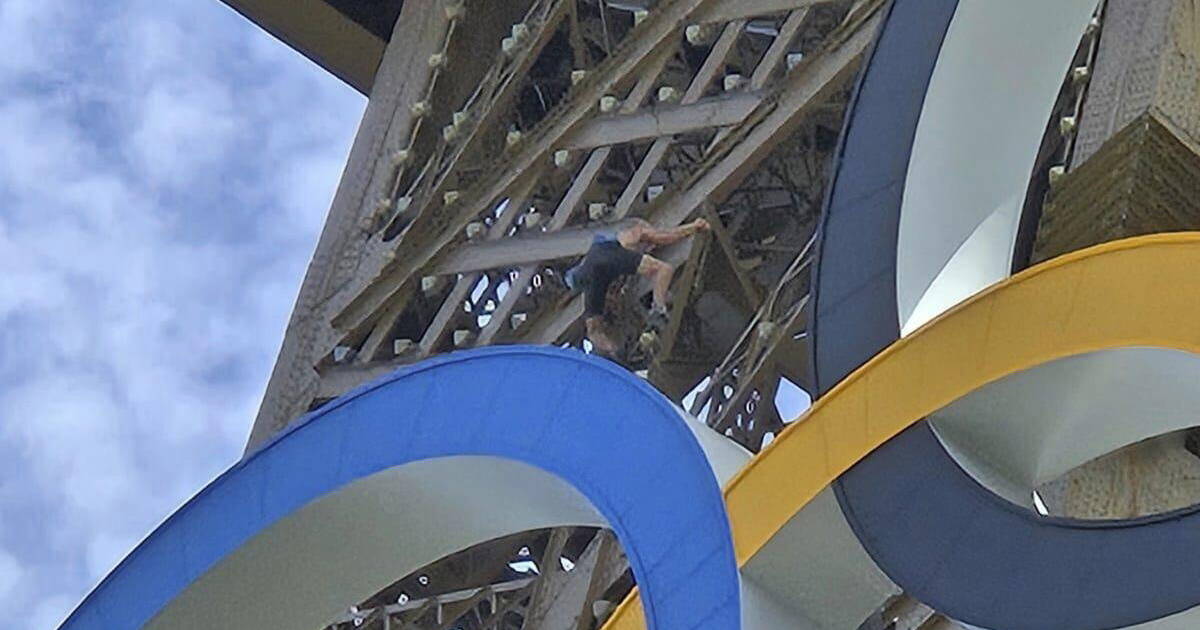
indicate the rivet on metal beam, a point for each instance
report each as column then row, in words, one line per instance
column 577, row 76
column 508, row 46
column 562, row 157
column 449, row 132
column 437, row 60
column 640, row 16
column 403, row 203
column 597, row 211
column 770, row 28
column 794, row 59
column 1093, row 26
column 653, row 191
column 520, row 31
column 459, row 118
column 475, row 230
column 700, row 34
column 420, row 108
column 429, row 284
column 532, row 220
column 401, row 157
column 463, row 337
column 668, row 94
column 402, row 346
column 455, row 9
column 1057, row 173
column 1080, row 74
column 608, row 104
column 601, row 609
column 1067, row 125
column 450, row 196
column 732, row 82
column 513, row 137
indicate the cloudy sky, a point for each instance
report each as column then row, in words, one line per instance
column 165, row 168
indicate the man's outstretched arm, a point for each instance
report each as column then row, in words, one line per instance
column 641, row 232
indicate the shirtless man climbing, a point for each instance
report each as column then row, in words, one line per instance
column 619, row 253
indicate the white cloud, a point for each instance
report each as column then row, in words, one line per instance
column 49, row 611
column 10, row 574
column 164, row 171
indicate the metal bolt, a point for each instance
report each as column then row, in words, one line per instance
column 699, row 34
column 463, row 338
column 1067, row 125
column 1057, row 173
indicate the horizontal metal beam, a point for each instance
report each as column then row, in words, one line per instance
column 664, row 120
column 726, row 10
column 517, row 251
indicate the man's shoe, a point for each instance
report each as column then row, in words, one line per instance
column 658, row 318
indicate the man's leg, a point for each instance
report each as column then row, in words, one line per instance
column 600, row 340
column 593, row 313
column 660, row 273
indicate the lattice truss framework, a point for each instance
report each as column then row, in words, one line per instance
column 532, row 126
column 733, row 117
column 590, row 112
column 536, row 125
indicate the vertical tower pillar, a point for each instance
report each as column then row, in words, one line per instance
column 1135, row 169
